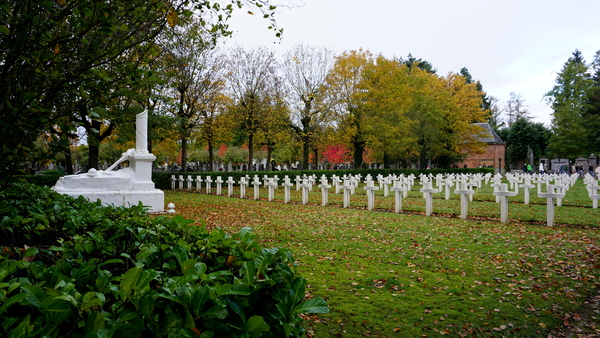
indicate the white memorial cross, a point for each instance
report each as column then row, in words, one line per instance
column 446, row 185
column 560, row 188
column 189, row 182
column 464, row 200
column 305, row 185
column 256, row 184
column 386, row 182
column 370, row 188
column 398, row 188
column 428, row 192
column 208, row 181
column 353, row 184
column 173, row 180
column 271, row 184
column 198, row 184
column 298, row 182
column 550, row 195
column 347, row 187
column 180, row 182
column 219, row 182
column 230, row 183
column 312, row 179
column 336, row 183
column 243, row 185
column 496, row 183
column 286, row 189
column 526, row 186
column 504, row 194
column 324, row 190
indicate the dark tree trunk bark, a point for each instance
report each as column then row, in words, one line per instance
column 210, row 156
column 184, row 154
column 250, row 151
column 68, row 161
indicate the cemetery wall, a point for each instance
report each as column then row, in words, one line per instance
column 489, row 158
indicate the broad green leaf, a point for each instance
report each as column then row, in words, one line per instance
column 130, row 278
column 146, row 251
column 30, row 252
column 146, row 305
column 215, row 312
column 181, row 254
column 35, row 295
column 200, row 296
column 170, row 321
column 94, row 322
column 130, row 329
column 297, row 290
column 58, row 311
column 313, row 305
column 22, row 330
column 257, row 324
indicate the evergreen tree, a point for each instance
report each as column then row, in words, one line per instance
column 569, row 99
column 591, row 113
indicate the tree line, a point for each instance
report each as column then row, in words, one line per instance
column 201, row 97
column 92, row 66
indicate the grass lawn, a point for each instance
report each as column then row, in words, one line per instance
column 409, row 275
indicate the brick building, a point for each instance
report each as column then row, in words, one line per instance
column 494, row 155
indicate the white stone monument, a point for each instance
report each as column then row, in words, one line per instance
column 124, row 187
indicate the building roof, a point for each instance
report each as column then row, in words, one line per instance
column 489, row 136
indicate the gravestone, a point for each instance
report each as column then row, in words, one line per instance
column 230, row 182
column 504, row 193
column 324, row 190
column 286, row 189
column 428, row 192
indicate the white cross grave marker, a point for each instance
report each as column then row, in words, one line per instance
column 503, row 193
column 428, row 192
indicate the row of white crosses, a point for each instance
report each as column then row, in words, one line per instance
column 465, row 186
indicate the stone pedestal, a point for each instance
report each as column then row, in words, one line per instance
column 125, row 187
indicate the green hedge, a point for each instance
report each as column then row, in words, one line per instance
column 163, row 180
column 46, row 179
column 71, row 268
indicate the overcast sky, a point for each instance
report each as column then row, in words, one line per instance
column 508, row 45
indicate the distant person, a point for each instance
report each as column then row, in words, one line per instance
column 529, row 168
column 541, row 170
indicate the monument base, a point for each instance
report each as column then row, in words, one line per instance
column 117, row 188
column 154, row 199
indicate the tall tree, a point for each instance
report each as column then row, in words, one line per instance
column 568, row 99
column 515, row 108
column 50, row 48
column 387, row 96
column 196, row 79
column 591, row 113
column 523, row 135
column 252, row 74
column 411, row 61
column 344, row 80
column 486, row 102
column 305, row 69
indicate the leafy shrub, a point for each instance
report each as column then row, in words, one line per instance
column 73, row 268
